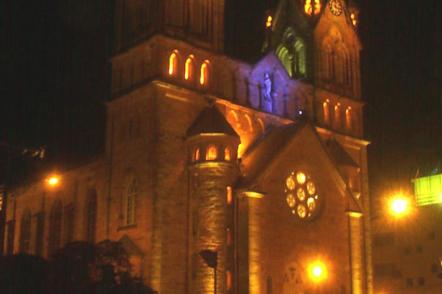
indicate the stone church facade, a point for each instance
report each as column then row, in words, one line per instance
column 262, row 162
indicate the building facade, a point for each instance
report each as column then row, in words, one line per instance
column 407, row 250
column 262, row 162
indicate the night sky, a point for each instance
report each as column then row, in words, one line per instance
column 55, row 80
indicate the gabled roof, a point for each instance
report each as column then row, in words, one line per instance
column 210, row 121
column 258, row 160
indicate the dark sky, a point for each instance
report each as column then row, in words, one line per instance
column 55, row 78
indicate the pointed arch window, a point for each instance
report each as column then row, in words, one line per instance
column 212, row 152
column 130, row 202
column 337, row 115
column 55, row 219
column 326, row 111
column 227, row 154
column 196, row 154
column 286, row 59
column 25, row 232
column 91, row 216
column 348, row 118
column 173, row 63
column 204, row 73
column 300, row 62
column 189, row 68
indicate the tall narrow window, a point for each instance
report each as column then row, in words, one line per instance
column 10, row 230
column 39, row 233
column 131, row 200
column 69, row 223
column 173, row 63
column 25, row 232
column 196, row 154
column 91, row 217
column 55, row 219
column 227, row 154
column 211, row 152
column 188, row 68
column 326, row 112
column 286, row 59
column 204, row 73
column 229, row 195
column 337, row 115
column 348, row 118
column 300, row 62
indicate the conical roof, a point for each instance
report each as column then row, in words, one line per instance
column 211, row 121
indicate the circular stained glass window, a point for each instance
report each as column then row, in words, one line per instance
column 302, row 195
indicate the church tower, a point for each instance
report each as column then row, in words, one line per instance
column 213, row 168
column 199, row 22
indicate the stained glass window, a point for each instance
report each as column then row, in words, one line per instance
column 301, row 195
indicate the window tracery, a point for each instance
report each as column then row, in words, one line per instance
column 292, row 54
column 301, row 195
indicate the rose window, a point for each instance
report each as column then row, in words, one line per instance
column 301, row 195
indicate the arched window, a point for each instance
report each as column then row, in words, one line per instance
column 286, row 59
column 25, row 232
column 196, row 154
column 204, row 73
column 299, row 62
column 312, row 7
column 55, row 219
column 227, row 154
column 173, row 63
column 189, row 68
column 91, row 216
column 326, row 111
column 130, row 202
column 211, row 152
column 337, row 115
column 348, row 118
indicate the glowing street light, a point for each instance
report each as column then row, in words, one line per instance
column 53, row 180
column 399, row 205
column 317, row 271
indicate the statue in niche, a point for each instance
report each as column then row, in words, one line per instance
column 267, row 93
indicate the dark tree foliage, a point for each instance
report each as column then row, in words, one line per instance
column 23, row 273
column 77, row 268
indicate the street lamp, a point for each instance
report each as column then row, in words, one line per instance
column 53, row 180
column 399, row 205
column 317, row 271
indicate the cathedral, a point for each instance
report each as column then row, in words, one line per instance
column 234, row 161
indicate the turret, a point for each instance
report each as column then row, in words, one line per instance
column 212, row 147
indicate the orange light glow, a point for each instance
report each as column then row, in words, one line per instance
column 53, row 180
column 173, row 62
column 312, row 7
column 354, row 21
column 348, row 120
column 188, row 68
column 229, row 280
column 338, row 114
column 229, row 195
column 196, row 155
column 317, row 6
column 227, row 154
column 399, row 205
column 317, row 271
column 326, row 111
column 211, row 153
column 204, row 73
column 269, row 21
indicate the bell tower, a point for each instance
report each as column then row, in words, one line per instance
column 199, row 22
